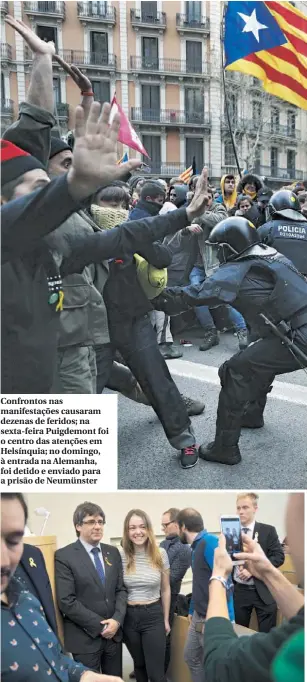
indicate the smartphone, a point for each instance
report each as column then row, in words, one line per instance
column 231, row 528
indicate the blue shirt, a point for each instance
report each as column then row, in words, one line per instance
column 202, row 564
column 31, row 651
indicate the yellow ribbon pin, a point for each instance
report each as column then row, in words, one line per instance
column 32, row 563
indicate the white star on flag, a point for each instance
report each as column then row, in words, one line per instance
column 252, row 25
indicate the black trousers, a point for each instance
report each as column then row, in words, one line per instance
column 107, row 660
column 245, row 382
column 168, row 639
column 141, row 352
column 246, row 599
column 111, row 374
column 145, row 638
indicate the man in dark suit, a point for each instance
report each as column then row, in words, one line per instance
column 250, row 592
column 91, row 595
column 32, row 575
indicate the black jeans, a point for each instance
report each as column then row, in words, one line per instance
column 246, row 599
column 145, row 639
column 107, row 660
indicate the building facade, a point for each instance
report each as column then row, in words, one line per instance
column 164, row 61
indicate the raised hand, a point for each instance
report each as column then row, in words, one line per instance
column 36, row 44
column 200, row 199
column 81, row 80
column 94, row 162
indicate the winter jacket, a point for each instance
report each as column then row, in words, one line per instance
column 179, row 556
column 181, row 195
column 207, row 222
column 83, row 321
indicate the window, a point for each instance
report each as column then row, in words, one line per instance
column 57, row 90
column 149, row 11
column 229, row 156
column 101, row 90
column 291, row 162
column 291, row 122
column 152, row 144
column 151, row 102
column 274, row 120
column 194, row 147
column 2, row 87
column 193, row 12
column 48, row 33
column 98, row 9
column 193, row 56
column 274, row 160
column 99, row 47
column 232, row 103
column 194, row 105
column 257, row 113
column 150, row 53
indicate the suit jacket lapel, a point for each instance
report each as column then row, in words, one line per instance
column 86, row 560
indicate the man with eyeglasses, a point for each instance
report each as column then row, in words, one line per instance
column 91, row 595
column 179, row 556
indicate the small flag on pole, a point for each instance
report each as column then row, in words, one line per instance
column 123, row 159
column 127, row 134
column 186, row 175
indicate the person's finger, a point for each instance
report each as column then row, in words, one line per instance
column 103, row 122
column 246, row 556
column 77, row 72
column 64, row 65
column 127, row 167
column 92, row 124
column 248, row 542
column 114, row 128
column 79, row 122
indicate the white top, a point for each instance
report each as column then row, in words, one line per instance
column 89, row 548
column 144, row 584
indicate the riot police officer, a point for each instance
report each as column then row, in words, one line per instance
column 256, row 280
column 286, row 230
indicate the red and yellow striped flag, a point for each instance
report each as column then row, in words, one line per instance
column 283, row 69
column 186, row 175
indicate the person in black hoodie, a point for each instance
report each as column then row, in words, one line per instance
column 151, row 201
column 178, row 195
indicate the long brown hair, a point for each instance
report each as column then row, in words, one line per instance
column 151, row 547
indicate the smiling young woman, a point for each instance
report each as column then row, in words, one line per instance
column 146, row 577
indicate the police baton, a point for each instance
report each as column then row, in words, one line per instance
column 285, row 339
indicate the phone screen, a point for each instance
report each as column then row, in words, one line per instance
column 231, row 528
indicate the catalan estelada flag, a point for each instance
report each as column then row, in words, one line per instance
column 268, row 40
column 186, row 175
column 123, row 159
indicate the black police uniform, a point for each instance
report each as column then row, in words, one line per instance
column 288, row 237
column 261, row 280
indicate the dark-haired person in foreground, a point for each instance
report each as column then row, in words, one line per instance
column 277, row 656
column 91, row 594
column 30, row 649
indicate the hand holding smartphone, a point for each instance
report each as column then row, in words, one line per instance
column 231, row 529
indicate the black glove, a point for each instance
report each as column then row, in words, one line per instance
column 171, row 301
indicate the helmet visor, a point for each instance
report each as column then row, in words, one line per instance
column 211, row 257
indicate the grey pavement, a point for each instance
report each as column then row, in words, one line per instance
column 272, row 457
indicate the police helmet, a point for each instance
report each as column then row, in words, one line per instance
column 232, row 237
column 284, row 203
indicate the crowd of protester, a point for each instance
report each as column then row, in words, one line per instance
column 88, row 244
column 131, row 594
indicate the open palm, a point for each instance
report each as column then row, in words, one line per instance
column 94, row 157
column 35, row 43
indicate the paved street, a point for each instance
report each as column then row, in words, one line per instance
column 273, row 457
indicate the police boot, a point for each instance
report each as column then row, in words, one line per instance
column 223, row 449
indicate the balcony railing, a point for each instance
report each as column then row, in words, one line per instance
column 200, row 24
column 101, row 60
column 168, row 116
column 172, row 66
column 55, row 8
column 281, row 173
column 4, row 7
column 284, row 131
column 62, row 109
column 140, row 17
column 7, row 107
column 97, row 11
column 169, row 169
column 6, row 52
